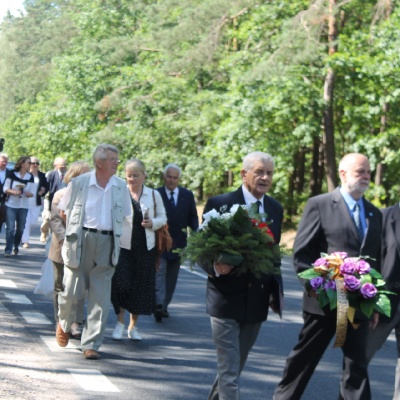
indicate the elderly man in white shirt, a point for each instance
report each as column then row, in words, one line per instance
column 94, row 205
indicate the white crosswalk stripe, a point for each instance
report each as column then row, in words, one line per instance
column 51, row 343
column 18, row 298
column 35, row 318
column 92, row 380
column 8, row 283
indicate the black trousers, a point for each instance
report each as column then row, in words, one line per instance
column 315, row 336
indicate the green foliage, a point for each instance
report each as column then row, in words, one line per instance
column 235, row 239
column 202, row 83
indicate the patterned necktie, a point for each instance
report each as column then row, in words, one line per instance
column 357, row 221
column 171, row 199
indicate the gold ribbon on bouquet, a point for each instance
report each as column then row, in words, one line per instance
column 344, row 313
column 342, row 309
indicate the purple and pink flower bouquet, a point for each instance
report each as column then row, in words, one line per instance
column 363, row 285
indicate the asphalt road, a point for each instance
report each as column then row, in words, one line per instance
column 174, row 361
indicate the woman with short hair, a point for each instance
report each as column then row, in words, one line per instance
column 134, row 281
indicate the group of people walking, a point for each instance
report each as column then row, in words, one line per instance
column 239, row 304
column 103, row 249
column 108, row 247
column 22, row 189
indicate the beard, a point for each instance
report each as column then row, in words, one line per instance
column 358, row 187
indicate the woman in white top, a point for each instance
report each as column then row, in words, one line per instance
column 35, row 203
column 18, row 187
column 134, row 282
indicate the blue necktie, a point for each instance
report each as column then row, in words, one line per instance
column 357, row 221
column 171, row 199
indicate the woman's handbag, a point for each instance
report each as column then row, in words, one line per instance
column 163, row 238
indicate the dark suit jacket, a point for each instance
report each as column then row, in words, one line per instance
column 55, row 183
column 180, row 217
column 244, row 298
column 390, row 267
column 2, row 194
column 326, row 227
column 42, row 183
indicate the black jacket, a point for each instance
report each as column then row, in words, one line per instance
column 244, row 298
column 180, row 217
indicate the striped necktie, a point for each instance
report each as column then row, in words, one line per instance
column 357, row 221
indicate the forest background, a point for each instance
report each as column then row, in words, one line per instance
column 203, row 82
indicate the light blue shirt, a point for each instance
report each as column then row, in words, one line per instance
column 351, row 204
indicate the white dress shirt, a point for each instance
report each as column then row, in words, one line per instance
column 98, row 204
column 175, row 193
column 250, row 199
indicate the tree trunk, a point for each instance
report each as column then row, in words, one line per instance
column 329, row 132
column 296, row 182
column 317, row 167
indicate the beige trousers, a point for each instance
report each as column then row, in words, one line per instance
column 94, row 276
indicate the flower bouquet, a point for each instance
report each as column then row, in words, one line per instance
column 238, row 238
column 348, row 284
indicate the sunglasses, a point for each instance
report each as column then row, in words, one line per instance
column 34, row 163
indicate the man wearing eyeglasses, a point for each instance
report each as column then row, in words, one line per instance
column 35, row 202
column 94, row 206
column 55, row 178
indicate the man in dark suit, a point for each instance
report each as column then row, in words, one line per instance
column 4, row 173
column 329, row 225
column 390, row 269
column 55, row 179
column 238, row 304
column 182, row 214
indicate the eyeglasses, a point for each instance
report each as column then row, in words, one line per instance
column 34, row 163
column 112, row 159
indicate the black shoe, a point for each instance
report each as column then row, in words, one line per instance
column 158, row 314
column 165, row 313
column 15, row 251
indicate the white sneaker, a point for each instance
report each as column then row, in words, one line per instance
column 25, row 245
column 134, row 334
column 118, row 331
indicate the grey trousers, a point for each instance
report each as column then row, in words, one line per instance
column 94, row 276
column 233, row 341
column 166, row 278
column 377, row 337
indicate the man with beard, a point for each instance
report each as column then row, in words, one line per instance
column 340, row 221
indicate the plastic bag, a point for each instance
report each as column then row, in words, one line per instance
column 45, row 285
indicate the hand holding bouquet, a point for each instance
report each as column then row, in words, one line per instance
column 348, row 284
column 236, row 238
